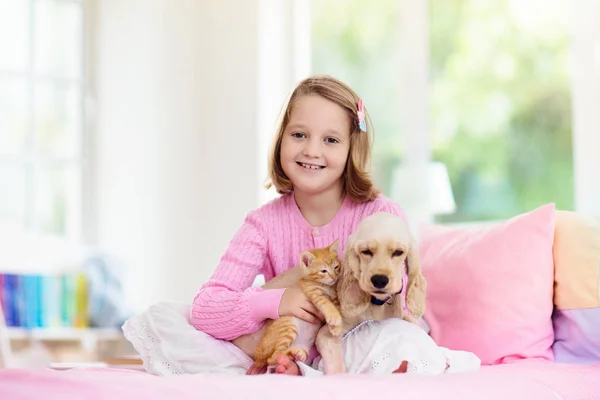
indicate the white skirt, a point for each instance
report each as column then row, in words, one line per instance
column 169, row 345
column 379, row 347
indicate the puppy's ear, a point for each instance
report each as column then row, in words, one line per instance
column 417, row 285
column 353, row 301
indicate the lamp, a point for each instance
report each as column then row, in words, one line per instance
column 423, row 191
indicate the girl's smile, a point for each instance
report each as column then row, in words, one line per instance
column 309, row 166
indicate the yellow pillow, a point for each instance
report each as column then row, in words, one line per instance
column 576, row 261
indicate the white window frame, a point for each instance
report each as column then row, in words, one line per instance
column 30, row 159
column 585, row 66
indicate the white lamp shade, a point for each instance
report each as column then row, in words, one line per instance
column 425, row 188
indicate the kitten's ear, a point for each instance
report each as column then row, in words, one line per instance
column 334, row 246
column 306, row 258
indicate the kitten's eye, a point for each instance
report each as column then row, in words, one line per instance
column 336, row 267
column 367, row 252
column 324, row 271
column 397, row 253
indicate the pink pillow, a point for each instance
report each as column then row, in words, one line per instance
column 490, row 288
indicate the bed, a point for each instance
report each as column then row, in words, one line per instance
column 527, row 380
column 531, row 313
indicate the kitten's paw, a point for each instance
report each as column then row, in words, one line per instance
column 336, row 330
column 334, row 324
column 297, row 354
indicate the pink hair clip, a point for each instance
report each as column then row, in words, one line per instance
column 362, row 124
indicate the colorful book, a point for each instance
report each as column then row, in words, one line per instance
column 33, row 301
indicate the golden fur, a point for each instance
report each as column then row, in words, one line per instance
column 320, row 268
column 381, row 245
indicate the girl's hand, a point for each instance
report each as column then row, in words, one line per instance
column 295, row 303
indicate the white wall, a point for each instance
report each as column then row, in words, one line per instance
column 413, row 32
column 284, row 58
column 176, row 138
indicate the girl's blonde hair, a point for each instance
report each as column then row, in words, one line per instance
column 356, row 182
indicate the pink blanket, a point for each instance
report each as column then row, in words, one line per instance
column 525, row 380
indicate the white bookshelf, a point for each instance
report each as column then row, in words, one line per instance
column 64, row 334
column 85, row 338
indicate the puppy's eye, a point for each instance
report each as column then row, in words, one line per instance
column 397, row 253
column 367, row 252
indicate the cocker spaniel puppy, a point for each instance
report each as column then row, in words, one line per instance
column 373, row 272
column 380, row 256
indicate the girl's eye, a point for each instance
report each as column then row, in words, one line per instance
column 332, row 140
column 298, row 135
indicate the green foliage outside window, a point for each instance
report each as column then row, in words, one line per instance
column 500, row 99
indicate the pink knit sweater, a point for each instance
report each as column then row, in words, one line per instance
column 269, row 242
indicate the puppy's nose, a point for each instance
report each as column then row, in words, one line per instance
column 380, row 281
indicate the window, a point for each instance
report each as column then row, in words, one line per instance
column 501, row 104
column 42, row 95
column 498, row 94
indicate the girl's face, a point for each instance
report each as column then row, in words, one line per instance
column 315, row 145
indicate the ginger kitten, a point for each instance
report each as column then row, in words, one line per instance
column 292, row 336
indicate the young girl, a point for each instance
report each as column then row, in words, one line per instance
column 319, row 166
